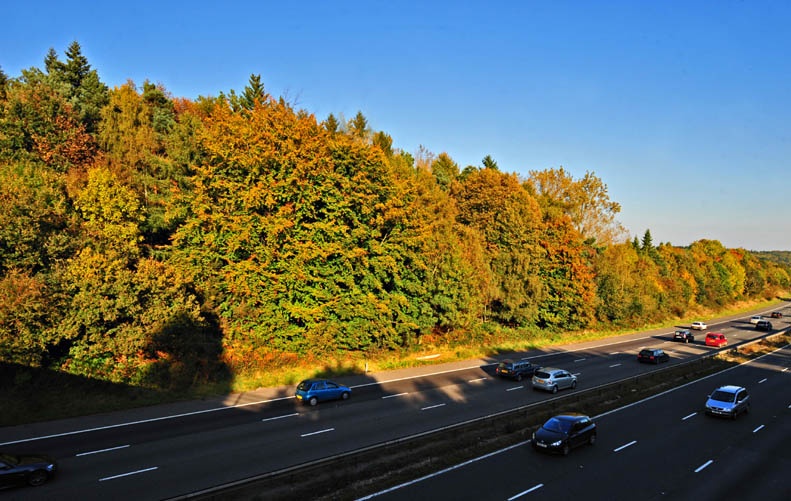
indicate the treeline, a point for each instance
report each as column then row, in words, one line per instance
column 156, row 240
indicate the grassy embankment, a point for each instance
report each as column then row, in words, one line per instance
column 29, row 395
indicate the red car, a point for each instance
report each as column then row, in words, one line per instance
column 716, row 339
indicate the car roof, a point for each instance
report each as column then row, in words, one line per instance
column 550, row 369
column 571, row 416
column 730, row 388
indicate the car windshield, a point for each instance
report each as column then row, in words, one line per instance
column 646, row 353
column 506, row 365
column 304, row 385
column 722, row 396
column 542, row 374
column 557, row 425
column 8, row 459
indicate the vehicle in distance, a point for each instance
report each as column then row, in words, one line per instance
column 313, row 391
column 26, row 469
column 764, row 325
column 553, row 379
column 515, row 369
column 755, row 319
column 652, row 355
column 684, row 335
column 728, row 401
column 564, row 432
column 716, row 339
column 776, row 314
column 699, row 326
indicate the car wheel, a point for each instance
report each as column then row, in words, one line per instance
column 592, row 439
column 573, row 385
column 565, row 449
column 313, row 401
column 345, row 395
column 555, row 389
column 37, row 478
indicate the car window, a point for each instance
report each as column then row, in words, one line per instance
column 722, row 396
column 331, row 386
column 557, row 425
column 542, row 374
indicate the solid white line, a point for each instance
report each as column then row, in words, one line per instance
column 758, row 429
column 579, row 360
column 432, row 407
column 442, row 472
column 280, row 417
column 476, row 380
column 704, row 465
column 619, row 449
column 127, row 474
column 317, row 432
column 616, row 365
column 526, row 492
column 396, row 395
column 689, row 416
column 763, row 380
column 103, row 450
column 515, row 388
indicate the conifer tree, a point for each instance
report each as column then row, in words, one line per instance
column 331, row 124
column 254, row 91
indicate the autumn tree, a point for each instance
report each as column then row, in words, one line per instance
column 445, row 171
column 586, row 202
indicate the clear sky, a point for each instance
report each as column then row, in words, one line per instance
column 683, row 108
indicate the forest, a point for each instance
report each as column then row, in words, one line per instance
column 163, row 242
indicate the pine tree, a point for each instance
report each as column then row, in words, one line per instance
column 489, row 163
column 254, row 91
column 359, row 125
column 331, row 124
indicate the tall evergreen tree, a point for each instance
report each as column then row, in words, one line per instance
column 359, row 125
column 254, row 91
column 3, row 83
column 331, row 124
column 648, row 242
column 489, row 163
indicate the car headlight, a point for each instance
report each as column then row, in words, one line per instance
column 557, row 443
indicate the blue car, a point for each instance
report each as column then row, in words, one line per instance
column 313, row 391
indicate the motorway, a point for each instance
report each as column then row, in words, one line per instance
column 173, row 450
column 661, row 448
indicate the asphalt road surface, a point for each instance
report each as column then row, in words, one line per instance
column 172, row 450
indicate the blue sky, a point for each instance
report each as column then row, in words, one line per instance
column 683, row 108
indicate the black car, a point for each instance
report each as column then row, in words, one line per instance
column 564, row 432
column 684, row 335
column 776, row 314
column 31, row 469
column 652, row 355
column 515, row 370
column 763, row 325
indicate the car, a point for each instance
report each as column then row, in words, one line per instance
column 716, row 339
column 728, row 401
column 653, row 355
column 755, row 319
column 764, row 325
column 564, row 432
column 313, row 391
column 684, row 336
column 553, row 379
column 26, row 469
column 515, row 369
column 776, row 314
column 699, row 326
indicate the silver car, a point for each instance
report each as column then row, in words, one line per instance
column 729, row 401
column 553, row 379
